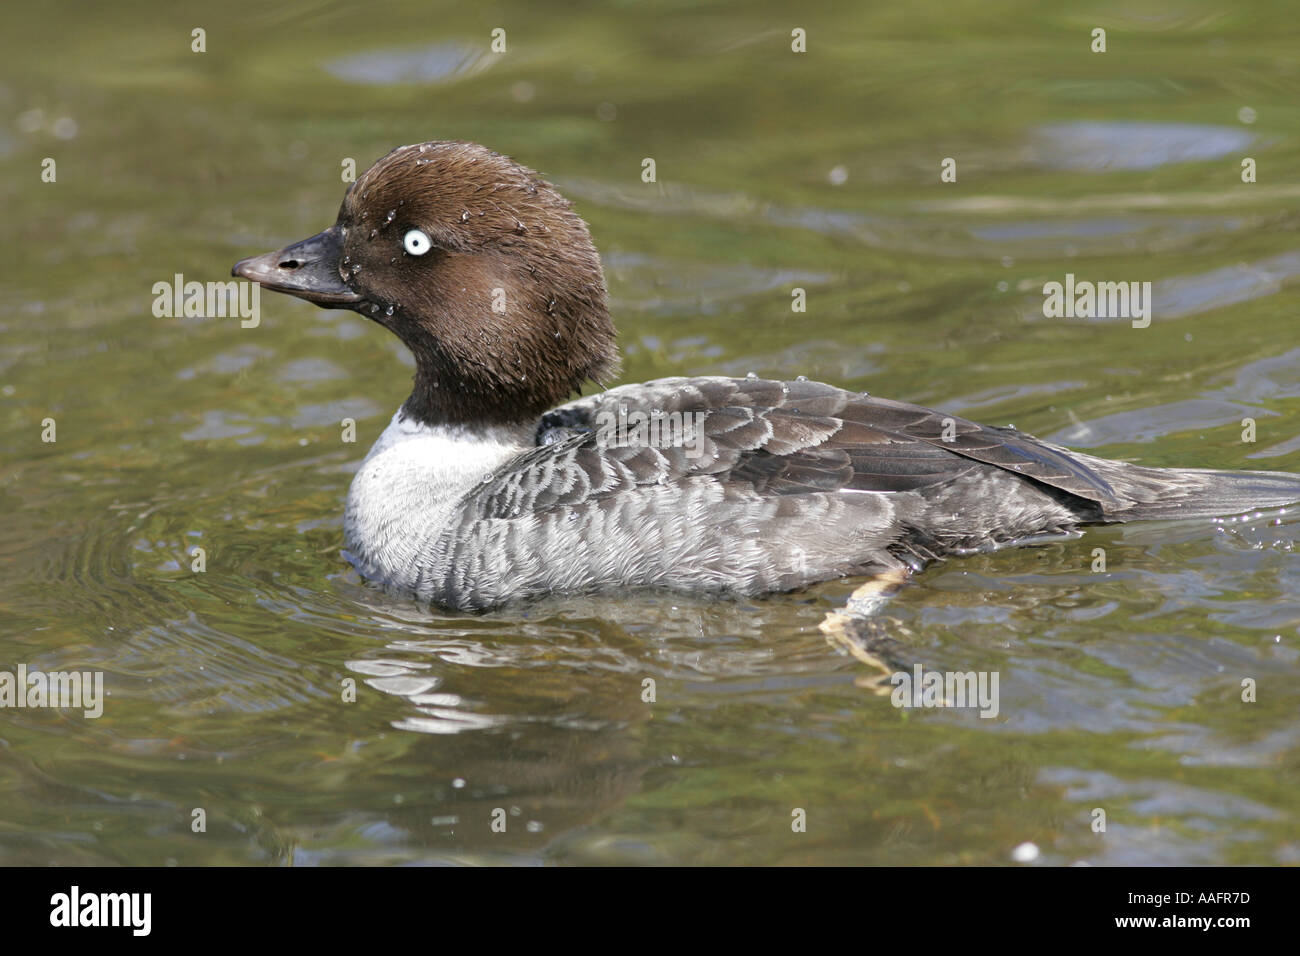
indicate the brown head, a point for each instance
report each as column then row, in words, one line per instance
column 478, row 265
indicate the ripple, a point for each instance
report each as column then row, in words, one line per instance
column 1204, row 292
column 1151, row 423
column 1102, row 146
column 437, row 63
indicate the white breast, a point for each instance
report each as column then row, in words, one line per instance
column 408, row 487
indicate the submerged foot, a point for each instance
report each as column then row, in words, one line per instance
column 859, row 630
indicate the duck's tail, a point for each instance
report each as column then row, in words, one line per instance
column 1154, row 493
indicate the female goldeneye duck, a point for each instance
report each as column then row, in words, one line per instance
column 481, row 491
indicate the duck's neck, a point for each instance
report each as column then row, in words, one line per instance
column 478, row 395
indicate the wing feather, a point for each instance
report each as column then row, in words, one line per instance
column 778, row 438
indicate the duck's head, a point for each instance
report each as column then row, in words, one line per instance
column 478, row 265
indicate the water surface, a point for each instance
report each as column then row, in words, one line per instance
column 1120, row 690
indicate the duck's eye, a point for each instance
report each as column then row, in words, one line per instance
column 416, row 243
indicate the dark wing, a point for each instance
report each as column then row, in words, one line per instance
column 776, row 438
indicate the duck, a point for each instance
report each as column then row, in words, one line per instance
column 493, row 483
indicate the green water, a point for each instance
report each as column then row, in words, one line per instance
column 1119, row 690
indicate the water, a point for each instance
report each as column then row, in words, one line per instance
column 1119, row 690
